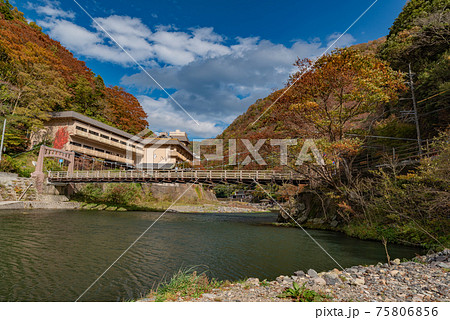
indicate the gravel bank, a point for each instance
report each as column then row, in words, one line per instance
column 427, row 278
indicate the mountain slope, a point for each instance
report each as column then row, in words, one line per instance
column 38, row 75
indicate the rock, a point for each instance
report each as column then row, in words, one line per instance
column 394, row 272
column 312, row 273
column 146, row 300
column 121, row 209
column 253, row 281
column 320, row 281
column 208, row 295
column 359, row 281
column 334, row 224
column 336, row 271
column 444, row 265
column 299, row 273
column 396, row 261
column 331, row 279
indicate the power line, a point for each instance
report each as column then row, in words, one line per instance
column 379, row 137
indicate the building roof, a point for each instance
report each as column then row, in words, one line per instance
column 83, row 118
column 164, row 141
column 98, row 124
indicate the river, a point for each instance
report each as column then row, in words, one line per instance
column 55, row 255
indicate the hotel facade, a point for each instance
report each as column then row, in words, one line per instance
column 72, row 131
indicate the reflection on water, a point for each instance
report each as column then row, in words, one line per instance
column 56, row 255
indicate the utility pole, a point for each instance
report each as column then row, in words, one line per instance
column 3, row 138
column 416, row 118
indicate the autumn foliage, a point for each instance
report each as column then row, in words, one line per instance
column 38, row 75
column 341, row 90
column 61, row 138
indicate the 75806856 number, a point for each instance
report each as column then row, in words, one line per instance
column 407, row 311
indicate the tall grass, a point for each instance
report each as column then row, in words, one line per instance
column 185, row 283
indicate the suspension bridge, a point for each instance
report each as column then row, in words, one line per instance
column 178, row 176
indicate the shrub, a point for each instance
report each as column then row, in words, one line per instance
column 122, row 193
column 301, row 294
column 186, row 283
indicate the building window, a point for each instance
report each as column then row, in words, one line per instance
column 108, row 152
column 115, row 140
column 93, row 132
column 100, row 150
column 81, row 129
column 75, row 144
column 104, row 136
column 88, row 147
column 123, row 142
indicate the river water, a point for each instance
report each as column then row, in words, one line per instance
column 56, row 255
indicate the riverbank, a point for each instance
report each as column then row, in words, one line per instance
column 425, row 278
column 160, row 206
column 17, row 205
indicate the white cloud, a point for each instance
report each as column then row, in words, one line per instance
column 163, row 117
column 344, row 40
column 214, row 79
column 51, row 9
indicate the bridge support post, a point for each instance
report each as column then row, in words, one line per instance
column 38, row 173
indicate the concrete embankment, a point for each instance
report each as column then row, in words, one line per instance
column 14, row 205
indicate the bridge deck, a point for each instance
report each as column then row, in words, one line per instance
column 184, row 176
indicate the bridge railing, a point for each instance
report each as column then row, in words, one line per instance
column 174, row 175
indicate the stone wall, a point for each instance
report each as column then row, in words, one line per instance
column 12, row 187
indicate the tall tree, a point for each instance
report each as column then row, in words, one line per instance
column 125, row 110
column 342, row 88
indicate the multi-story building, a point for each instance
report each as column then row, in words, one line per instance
column 85, row 136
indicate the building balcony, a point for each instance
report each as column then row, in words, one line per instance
column 98, row 154
column 106, row 142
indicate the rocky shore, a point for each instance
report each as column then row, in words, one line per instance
column 425, row 278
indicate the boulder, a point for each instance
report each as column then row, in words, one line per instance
column 299, row 273
column 253, row 281
column 332, row 279
column 444, row 265
column 312, row 273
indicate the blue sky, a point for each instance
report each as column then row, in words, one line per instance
column 216, row 58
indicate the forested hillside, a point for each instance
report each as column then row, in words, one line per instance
column 420, row 36
column 38, row 75
column 357, row 104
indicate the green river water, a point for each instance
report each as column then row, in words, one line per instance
column 55, row 255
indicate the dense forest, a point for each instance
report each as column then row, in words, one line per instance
column 420, row 36
column 357, row 104
column 38, row 75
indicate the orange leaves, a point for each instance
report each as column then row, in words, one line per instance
column 124, row 110
column 61, row 138
column 340, row 88
column 41, row 76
